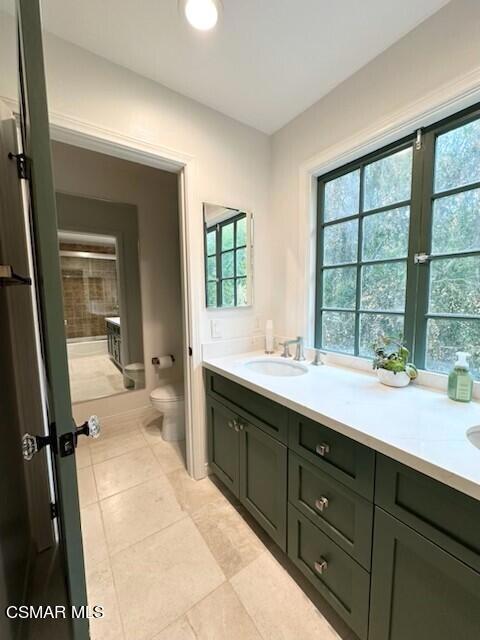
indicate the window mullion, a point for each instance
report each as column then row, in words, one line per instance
column 319, row 265
column 359, row 262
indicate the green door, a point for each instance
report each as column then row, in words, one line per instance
column 263, row 480
column 43, row 221
column 223, row 443
column 419, row 592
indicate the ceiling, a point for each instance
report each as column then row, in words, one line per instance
column 266, row 61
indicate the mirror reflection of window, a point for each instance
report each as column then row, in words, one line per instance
column 228, row 257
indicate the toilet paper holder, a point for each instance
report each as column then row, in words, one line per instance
column 156, row 359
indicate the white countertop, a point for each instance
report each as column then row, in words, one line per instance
column 419, row 427
column 113, row 320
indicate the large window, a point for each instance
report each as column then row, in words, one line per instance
column 399, row 247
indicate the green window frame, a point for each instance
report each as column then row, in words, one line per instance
column 226, row 262
column 440, row 272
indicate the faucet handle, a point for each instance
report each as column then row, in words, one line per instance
column 286, row 350
column 317, row 361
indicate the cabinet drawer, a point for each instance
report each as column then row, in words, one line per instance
column 335, row 575
column 442, row 514
column 339, row 512
column 419, row 591
column 346, row 460
column 260, row 411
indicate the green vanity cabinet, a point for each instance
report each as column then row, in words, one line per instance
column 419, row 591
column 263, row 481
column 395, row 552
column 224, row 444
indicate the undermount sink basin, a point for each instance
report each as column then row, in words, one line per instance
column 278, row 367
column 473, row 435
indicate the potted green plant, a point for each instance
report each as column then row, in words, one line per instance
column 391, row 362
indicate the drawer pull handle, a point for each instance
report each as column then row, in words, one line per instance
column 321, row 567
column 322, row 449
column 321, row 503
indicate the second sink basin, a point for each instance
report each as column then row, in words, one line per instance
column 473, row 435
column 280, row 367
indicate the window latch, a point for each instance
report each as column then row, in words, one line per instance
column 421, row 258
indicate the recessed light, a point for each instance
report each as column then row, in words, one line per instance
column 202, row 14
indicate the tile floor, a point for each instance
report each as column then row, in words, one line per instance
column 93, row 376
column 170, row 558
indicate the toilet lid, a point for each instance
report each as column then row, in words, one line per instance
column 168, row 392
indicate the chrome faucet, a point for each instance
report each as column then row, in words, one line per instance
column 299, row 354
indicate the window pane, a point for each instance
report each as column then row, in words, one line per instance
column 212, row 294
column 388, row 180
column 340, row 243
column 342, row 196
column 241, row 262
column 227, row 264
column 241, row 291
column 374, row 325
column 455, row 285
column 241, row 232
column 385, row 235
column 446, row 337
column 227, row 236
column 383, row 286
column 228, row 294
column 338, row 331
column 211, row 268
column 457, row 157
column 456, row 223
column 211, row 242
column 339, row 287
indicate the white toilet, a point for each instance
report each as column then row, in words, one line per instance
column 169, row 401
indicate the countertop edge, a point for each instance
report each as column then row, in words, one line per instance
column 449, row 478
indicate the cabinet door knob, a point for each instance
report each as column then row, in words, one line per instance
column 322, row 449
column 321, row 503
column 230, row 424
column 321, row 566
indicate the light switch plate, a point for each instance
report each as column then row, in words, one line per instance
column 216, row 328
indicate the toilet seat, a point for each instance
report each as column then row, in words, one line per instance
column 168, row 393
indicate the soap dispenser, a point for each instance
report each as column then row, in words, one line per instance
column 460, row 381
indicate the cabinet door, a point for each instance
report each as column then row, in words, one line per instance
column 263, row 480
column 223, row 444
column 419, row 592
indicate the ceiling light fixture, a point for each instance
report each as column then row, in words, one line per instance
column 202, row 14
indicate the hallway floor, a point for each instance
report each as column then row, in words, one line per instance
column 170, row 558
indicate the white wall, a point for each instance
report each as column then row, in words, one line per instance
column 439, row 51
column 154, row 192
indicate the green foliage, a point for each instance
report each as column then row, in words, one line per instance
column 392, row 355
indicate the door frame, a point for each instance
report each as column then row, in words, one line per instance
column 87, row 136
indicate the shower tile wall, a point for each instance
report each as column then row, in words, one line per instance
column 89, row 291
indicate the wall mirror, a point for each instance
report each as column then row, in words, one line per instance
column 98, row 245
column 228, row 235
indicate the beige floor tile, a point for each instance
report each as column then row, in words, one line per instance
column 178, row 630
column 277, row 605
column 152, row 429
column 101, row 591
column 134, row 514
column 83, row 457
column 171, row 455
column 111, row 447
column 230, row 539
column 93, row 536
column 123, row 472
column 221, row 615
column 193, row 494
column 87, row 491
column 163, row 576
column 118, row 425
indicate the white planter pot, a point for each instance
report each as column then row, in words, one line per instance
column 391, row 379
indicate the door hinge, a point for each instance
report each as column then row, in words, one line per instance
column 190, row 351
column 53, row 510
column 23, row 165
column 421, row 258
column 418, row 140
